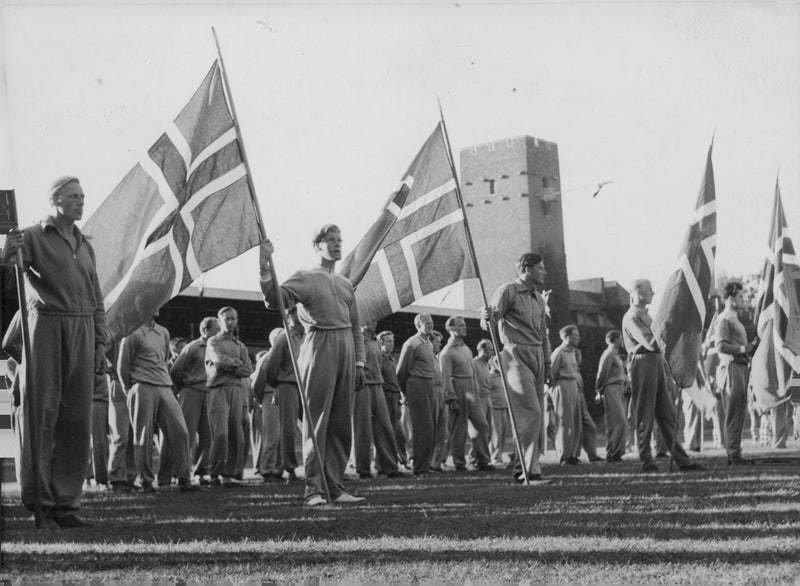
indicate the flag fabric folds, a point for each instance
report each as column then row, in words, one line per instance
column 418, row 245
column 185, row 207
column 681, row 315
column 775, row 365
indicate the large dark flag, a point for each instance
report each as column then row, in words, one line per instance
column 419, row 243
column 776, row 362
column 681, row 315
column 185, row 207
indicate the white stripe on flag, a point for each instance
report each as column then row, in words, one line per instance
column 765, row 320
column 392, row 207
column 177, row 261
column 141, row 254
column 703, row 211
column 694, row 286
column 181, row 145
column 388, row 280
column 212, row 149
column 408, row 241
column 777, row 292
column 156, row 173
column 707, row 246
column 430, row 197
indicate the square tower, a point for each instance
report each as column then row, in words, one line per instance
column 512, row 195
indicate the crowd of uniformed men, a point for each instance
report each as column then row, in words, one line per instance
column 212, row 409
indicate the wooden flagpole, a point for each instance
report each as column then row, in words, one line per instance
column 281, row 306
column 492, row 324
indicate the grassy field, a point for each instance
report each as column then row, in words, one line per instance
column 595, row 523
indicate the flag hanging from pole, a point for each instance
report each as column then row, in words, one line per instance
column 418, row 245
column 681, row 315
column 775, row 367
column 185, row 208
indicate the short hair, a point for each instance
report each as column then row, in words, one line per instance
column 529, row 259
column 567, row 330
column 638, row 283
column 613, row 336
column 384, row 334
column 273, row 335
column 225, row 310
column 732, row 289
column 59, row 184
column 322, row 231
column 451, row 321
column 174, row 342
column 485, row 343
column 418, row 318
column 205, row 325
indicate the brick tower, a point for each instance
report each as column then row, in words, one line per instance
column 512, row 194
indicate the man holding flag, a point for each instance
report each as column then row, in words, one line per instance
column 67, row 333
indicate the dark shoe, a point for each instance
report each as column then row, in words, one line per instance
column 461, row 468
column 203, row 481
column 650, row 467
column 272, row 478
column 614, row 460
column 147, row 487
column 485, row 467
column 532, row 478
column 187, row 486
column 662, row 455
column 121, row 486
column 691, row 467
column 396, row 474
column 365, row 475
column 49, row 523
column 70, row 522
column 436, row 469
column 230, row 482
column 574, row 461
column 595, row 458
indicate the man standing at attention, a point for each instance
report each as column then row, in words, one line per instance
column 227, row 365
column 520, row 312
column 415, row 374
column 649, row 392
column 145, row 379
column 67, row 332
column 189, row 376
column 565, row 376
column 611, row 385
column 331, row 359
column 391, row 392
column 733, row 370
column 458, row 376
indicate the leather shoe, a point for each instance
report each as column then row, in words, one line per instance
column 346, row 498
column 70, row 522
column 691, row 467
column 650, row 467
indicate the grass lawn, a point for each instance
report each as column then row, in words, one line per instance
column 595, row 523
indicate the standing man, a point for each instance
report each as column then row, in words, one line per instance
column 391, row 392
column 611, row 384
column 415, row 375
column 483, row 385
column 651, row 397
column 331, row 359
column 281, row 376
column 371, row 423
column 268, row 462
column 188, row 373
column 145, row 379
column 67, row 331
column 521, row 314
column 122, row 461
column 501, row 422
column 565, row 376
column 227, row 365
column 442, row 405
column 733, row 370
column 459, row 379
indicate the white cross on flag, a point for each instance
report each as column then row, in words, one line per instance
column 775, row 368
column 185, row 207
column 419, row 243
column 679, row 322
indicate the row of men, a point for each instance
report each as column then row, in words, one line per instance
column 68, row 339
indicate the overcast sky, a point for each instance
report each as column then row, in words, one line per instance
column 334, row 101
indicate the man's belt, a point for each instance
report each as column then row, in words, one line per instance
column 640, row 351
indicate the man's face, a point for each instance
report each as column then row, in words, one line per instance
column 459, row 328
column 212, row 328
column 229, row 321
column 487, row 350
column 424, row 324
column 387, row 344
column 330, row 248
column 534, row 274
column 737, row 301
column 368, row 330
column 574, row 338
column 69, row 201
column 645, row 292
